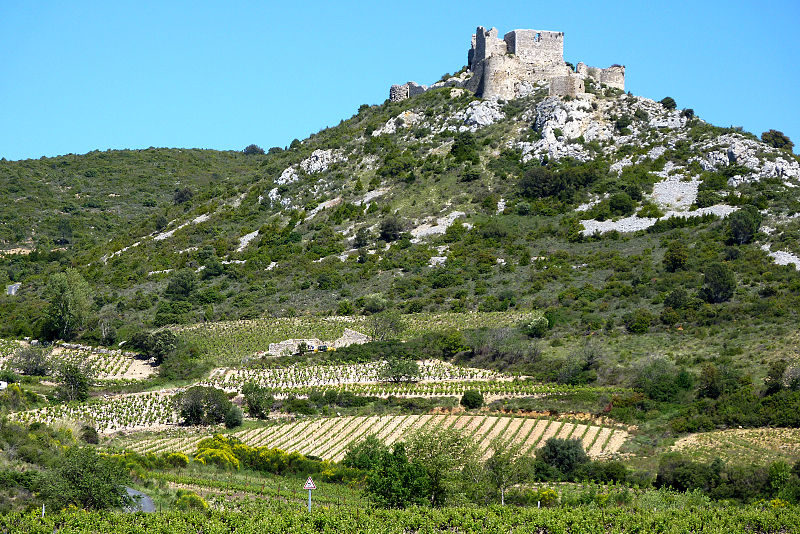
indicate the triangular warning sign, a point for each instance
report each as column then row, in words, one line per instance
column 309, row 484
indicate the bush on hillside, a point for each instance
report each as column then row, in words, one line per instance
column 472, row 399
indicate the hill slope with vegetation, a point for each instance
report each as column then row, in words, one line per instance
column 605, row 268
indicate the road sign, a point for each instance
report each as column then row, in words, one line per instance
column 309, row 486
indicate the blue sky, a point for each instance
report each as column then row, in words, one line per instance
column 79, row 76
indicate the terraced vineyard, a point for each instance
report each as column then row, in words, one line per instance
column 232, row 379
column 229, row 343
column 489, row 389
column 7, row 348
column 137, row 411
column 105, row 364
column 328, row 437
column 749, row 445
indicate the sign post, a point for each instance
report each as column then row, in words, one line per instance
column 309, row 486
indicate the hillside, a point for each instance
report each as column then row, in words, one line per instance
column 595, row 266
column 439, row 202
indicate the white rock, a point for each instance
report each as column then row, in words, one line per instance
column 288, row 176
column 320, row 160
column 635, row 223
column 675, row 193
column 781, row 257
column 245, row 240
column 439, row 226
column 480, row 113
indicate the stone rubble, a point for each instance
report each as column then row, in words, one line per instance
column 781, row 257
column 437, row 227
column 635, row 223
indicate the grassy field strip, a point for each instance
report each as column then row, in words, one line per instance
column 525, row 433
column 277, row 433
column 387, row 430
column 616, row 440
column 579, row 431
column 308, row 436
column 300, row 430
column 474, row 423
column 550, row 432
column 258, row 434
column 310, row 442
column 337, row 453
column 589, row 436
column 513, row 430
column 287, row 436
column 497, row 425
column 745, row 445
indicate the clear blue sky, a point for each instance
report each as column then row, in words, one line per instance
column 79, row 76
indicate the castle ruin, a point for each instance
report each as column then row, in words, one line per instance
column 507, row 68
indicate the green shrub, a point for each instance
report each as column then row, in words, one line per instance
column 621, row 204
column 537, row 327
column 719, row 283
column 472, row 399
column 777, row 139
column 638, row 322
column 564, row 455
column 676, row 256
column 668, row 102
column 707, row 198
column 190, row 501
column 176, row 459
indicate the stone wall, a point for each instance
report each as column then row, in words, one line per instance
column 291, row 346
column 613, row 76
column 407, row 90
column 566, row 86
column 537, row 47
column 501, row 68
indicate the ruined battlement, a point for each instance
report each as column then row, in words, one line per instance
column 506, row 68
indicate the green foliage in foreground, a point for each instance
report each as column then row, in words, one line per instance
column 286, row 518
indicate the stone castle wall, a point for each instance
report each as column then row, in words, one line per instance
column 536, row 47
column 500, row 68
column 566, row 86
column 613, row 76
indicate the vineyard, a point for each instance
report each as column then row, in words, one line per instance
column 103, row 364
column 337, row 375
column 7, row 348
column 230, row 343
column 138, row 411
column 754, row 445
column 276, row 517
column 489, row 388
column 329, row 437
